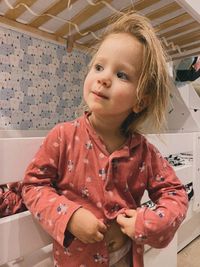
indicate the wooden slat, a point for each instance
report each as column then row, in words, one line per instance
column 171, row 47
column 189, row 40
column 95, row 27
column 15, row 13
column 90, row 43
column 173, row 53
column 103, row 23
column 142, row 4
column 55, row 9
column 181, row 29
column 184, row 37
column 192, row 46
column 163, row 11
column 179, row 56
column 171, row 22
column 81, row 17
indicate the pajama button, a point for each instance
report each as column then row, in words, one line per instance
column 141, row 238
column 109, row 187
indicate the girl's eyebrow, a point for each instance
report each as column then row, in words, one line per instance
column 100, row 58
column 128, row 66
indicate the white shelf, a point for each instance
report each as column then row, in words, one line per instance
column 179, row 116
column 172, row 143
column 183, row 136
column 190, row 212
column 160, row 257
column 185, row 173
column 189, row 230
column 21, row 234
column 190, row 96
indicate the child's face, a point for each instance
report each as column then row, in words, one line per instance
column 110, row 86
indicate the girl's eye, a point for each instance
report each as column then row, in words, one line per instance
column 122, row 75
column 98, row 67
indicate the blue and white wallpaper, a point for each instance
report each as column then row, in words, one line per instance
column 40, row 83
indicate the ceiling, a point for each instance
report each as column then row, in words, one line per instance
column 81, row 21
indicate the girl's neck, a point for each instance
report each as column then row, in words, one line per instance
column 109, row 131
column 106, row 126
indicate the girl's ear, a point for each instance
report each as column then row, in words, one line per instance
column 140, row 106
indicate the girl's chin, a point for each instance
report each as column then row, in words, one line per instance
column 96, row 107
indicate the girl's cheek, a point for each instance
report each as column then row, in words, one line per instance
column 85, row 88
column 88, row 83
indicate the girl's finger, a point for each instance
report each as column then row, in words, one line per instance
column 130, row 212
column 99, row 237
column 121, row 219
column 102, row 227
column 123, row 230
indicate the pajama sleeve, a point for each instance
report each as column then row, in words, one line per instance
column 156, row 227
column 51, row 209
column 10, row 199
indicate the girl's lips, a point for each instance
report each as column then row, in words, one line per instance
column 99, row 94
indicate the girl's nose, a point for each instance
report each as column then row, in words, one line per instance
column 104, row 81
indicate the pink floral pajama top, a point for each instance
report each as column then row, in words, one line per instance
column 73, row 168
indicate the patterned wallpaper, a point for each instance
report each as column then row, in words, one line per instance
column 40, row 83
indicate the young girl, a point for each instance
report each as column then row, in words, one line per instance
column 86, row 182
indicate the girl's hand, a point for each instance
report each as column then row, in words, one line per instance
column 86, row 227
column 127, row 222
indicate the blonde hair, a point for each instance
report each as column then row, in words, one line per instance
column 154, row 80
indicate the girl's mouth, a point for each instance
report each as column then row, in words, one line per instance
column 99, row 94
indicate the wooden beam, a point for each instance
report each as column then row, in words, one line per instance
column 15, row 13
column 31, row 30
column 54, row 9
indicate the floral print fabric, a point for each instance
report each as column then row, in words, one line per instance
column 73, row 169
